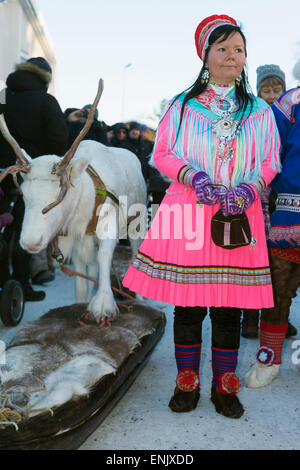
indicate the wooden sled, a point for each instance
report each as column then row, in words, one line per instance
column 51, row 343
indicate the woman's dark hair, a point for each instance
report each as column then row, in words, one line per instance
column 243, row 92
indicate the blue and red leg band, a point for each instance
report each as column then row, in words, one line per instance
column 188, row 363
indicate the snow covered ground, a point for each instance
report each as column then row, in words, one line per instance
column 142, row 419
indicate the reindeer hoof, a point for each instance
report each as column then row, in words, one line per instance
column 86, row 319
column 104, row 323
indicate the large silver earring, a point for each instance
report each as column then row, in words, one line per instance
column 205, row 76
column 238, row 80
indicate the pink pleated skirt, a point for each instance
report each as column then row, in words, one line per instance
column 178, row 262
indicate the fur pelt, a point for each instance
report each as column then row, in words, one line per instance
column 63, row 360
column 43, row 74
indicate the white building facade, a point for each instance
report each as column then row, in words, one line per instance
column 23, row 35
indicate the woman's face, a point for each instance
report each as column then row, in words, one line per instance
column 226, row 59
column 271, row 93
column 121, row 134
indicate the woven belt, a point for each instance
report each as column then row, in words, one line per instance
column 288, row 202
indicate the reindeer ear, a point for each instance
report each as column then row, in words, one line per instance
column 76, row 167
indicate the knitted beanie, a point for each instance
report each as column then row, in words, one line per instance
column 39, row 66
column 267, row 71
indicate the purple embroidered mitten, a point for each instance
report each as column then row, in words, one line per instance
column 204, row 188
column 238, row 199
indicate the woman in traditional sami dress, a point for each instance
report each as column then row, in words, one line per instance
column 219, row 145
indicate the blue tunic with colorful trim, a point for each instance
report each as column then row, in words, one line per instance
column 285, row 220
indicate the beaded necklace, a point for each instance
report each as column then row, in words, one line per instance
column 221, row 84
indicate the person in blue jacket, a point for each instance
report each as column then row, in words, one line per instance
column 284, row 234
column 270, row 85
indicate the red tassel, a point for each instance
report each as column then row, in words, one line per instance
column 187, row 380
column 229, row 384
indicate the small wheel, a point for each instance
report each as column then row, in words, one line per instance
column 12, row 303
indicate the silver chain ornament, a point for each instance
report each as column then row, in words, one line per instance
column 225, row 127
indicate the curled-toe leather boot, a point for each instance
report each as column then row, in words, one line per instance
column 224, row 396
column 184, row 401
column 226, row 405
column 187, row 392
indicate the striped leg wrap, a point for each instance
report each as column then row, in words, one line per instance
column 223, row 360
column 188, row 357
column 273, row 337
column 188, row 363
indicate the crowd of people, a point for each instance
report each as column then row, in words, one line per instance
column 132, row 136
column 225, row 152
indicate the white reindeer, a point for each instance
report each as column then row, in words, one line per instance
column 50, row 178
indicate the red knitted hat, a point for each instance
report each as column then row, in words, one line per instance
column 206, row 27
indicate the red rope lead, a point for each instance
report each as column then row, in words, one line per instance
column 71, row 273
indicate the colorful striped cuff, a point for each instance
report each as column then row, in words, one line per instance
column 185, row 175
column 259, row 185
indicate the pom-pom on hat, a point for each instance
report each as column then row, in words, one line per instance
column 206, row 27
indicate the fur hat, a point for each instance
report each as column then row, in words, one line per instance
column 206, row 27
column 39, row 66
column 267, row 71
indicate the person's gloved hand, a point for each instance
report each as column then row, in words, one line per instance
column 237, row 199
column 205, row 189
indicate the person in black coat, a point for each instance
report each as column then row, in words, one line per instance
column 33, row 116
column 120, row 137
column 35, row 119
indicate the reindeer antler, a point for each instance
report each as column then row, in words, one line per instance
column 60, row 168
column 23, row 165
